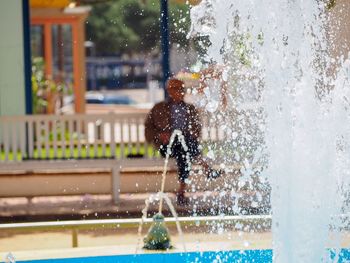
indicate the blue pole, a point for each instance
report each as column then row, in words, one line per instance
column 27, row 66
column 164, row 25
column 27, row 57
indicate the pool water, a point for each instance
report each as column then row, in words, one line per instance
column 222, row 256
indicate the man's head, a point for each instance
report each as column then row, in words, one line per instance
column 176, row 89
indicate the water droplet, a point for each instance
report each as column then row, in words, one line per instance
column 211, row 154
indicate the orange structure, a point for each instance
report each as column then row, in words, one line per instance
column 191, row 2
column 50, row 13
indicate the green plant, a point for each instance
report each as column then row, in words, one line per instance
column 38, row 85
column 42, row 86
column 129, row 26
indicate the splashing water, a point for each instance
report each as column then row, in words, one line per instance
column 159, row 196
column 178, row 134
column 10, row 258
column 163, row 196
column 287, row 98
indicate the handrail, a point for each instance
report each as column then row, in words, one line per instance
column 123, row 223
column 77, row 225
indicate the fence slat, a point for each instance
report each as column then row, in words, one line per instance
column 95, row 138
column 87, row 138
column 138, row 123
column 79, row 136
column 15, row 138
column 6, row 141
column 47, row 138
column 2, row 150
column 90, row 135
column 128, row 125
column 103, row 128
column 22, row 140
column 122, row 141
column 63, row 137
column 71, row 138
column 30, row 139
column 54, row 139
column 112, row 130
column 38, row 138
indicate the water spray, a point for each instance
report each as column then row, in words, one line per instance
column 158, row 237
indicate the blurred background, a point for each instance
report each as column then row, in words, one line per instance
column 121, row 63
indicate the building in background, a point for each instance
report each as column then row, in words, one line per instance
column 12, row 78
column 58, row 36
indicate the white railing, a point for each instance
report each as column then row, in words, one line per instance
column 78, row 225
column 77, row 136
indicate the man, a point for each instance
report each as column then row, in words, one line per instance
column 175, row 114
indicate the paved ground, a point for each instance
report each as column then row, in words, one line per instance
column 100, row 206
column 127, row 238
column 125, row 241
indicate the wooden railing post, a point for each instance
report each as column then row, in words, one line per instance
column 112, row 130
column 116, row 182
column 74, row 237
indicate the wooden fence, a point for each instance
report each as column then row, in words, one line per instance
column 81, row 136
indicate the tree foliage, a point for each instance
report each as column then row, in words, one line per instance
column 131, row 26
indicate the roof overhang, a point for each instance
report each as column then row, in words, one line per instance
column 49, row 3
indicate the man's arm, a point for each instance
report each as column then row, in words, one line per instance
column 150, row 129
column 152, row 133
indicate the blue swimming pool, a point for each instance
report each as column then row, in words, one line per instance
column 241, row 256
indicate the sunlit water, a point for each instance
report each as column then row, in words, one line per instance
column 161, row 196
column 286, row 116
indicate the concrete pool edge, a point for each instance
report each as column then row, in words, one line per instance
column 120, row 250
column 151, row 256
column 125, row 253
column 176, row 257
